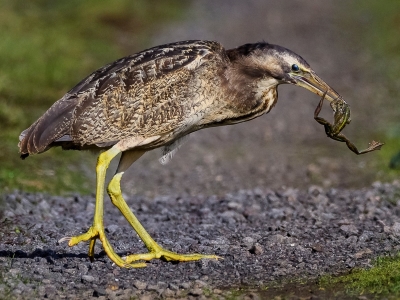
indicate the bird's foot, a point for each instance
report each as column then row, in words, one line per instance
column 92, row 235
column 167, row 255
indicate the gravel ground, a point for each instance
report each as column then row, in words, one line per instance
column 262, row 235
column 274, row 197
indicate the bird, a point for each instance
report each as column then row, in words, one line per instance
column 155, row 98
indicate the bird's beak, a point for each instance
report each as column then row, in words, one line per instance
column 312, row 82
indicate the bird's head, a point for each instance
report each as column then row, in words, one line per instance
column 273, row 65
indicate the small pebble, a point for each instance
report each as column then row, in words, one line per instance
column 88, row 278
column 140, row 285
column 99, row 292
column 196, row 292
column 256, row 249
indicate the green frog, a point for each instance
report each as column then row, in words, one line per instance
column 341, row 116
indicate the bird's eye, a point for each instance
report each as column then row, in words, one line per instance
column 295, row 68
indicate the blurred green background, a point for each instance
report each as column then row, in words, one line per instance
column 47, row 46
column 382, row 44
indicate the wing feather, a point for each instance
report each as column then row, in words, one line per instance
column 146, row 93
column 121, row 97
column 170, row 150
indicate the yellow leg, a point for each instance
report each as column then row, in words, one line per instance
column 96, row 231
column 155, row 250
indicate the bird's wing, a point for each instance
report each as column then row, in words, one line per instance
column 95, row 110
column 167, row 58
column 142, row 94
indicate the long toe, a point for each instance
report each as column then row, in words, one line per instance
column 92, row 235
column 169, row 256
column 172, row 256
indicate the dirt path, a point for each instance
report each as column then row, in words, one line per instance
column 245, row 192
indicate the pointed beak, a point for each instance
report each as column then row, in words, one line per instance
column 313, row 83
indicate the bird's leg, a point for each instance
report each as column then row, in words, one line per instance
column 155, row 250
column 96, row 231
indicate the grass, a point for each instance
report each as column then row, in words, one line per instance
column 381, row 23
column 383, row 279
column 46, row 47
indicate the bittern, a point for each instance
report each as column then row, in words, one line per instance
column 153, row 99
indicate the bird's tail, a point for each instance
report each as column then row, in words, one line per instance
column 52, row 125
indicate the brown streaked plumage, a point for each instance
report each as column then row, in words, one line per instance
column 154, row 98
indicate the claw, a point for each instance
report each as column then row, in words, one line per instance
column 374, row 145
column 64, row 239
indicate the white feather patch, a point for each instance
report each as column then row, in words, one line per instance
column 169, row 150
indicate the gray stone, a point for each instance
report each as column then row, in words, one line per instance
column 162, row 285
column 14, row 272
column 173, row 287
column 256, row 249
column 277, row 238
column 112, row 229
column 83, row 269
column 185, row 285
column 396, row 228
column 88, row 278
column 140, row 285
column 349, row 229
column 168, row 293
column 199, row 284
column 152, row 287
column 98, row 292
column 196, row 292
column 248, row 242
column 70, row 271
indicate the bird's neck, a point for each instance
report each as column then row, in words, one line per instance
column 266, row 91
column 249, row 96
column 243, row 97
